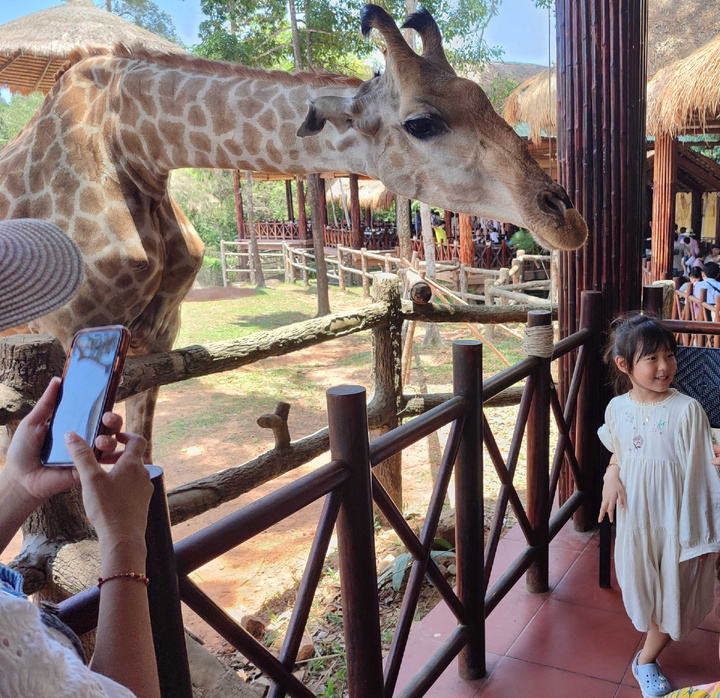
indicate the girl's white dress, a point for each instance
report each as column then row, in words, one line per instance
column 672, row 514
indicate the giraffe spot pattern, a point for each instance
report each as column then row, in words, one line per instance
column 252, row 138
column 268, row 120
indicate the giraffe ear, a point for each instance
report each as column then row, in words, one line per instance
column 342, row 112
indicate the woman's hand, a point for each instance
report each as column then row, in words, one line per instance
column 116, row 502
column 30, row 481
column 613, row 493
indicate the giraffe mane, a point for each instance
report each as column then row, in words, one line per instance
column 203, row 65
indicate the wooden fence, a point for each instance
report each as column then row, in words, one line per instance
column 349, row 485
column 236, row 261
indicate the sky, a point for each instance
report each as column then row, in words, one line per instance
column 520, row 28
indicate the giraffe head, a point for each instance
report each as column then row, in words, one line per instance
column 435, row 137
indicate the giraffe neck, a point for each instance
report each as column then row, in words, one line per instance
column 172, row 117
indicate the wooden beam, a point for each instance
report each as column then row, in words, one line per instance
column 357, row 233
column 717, row 217
column 663, row 223
column 696, row 212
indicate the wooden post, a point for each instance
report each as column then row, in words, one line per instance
column 164, row 596
column 717, row 217
column 601, row 90
column 469, row 510
column 663, row 222
column 467, row 246
column 489, row 300
column 347, row 422
column 448, row 222
column 305, row 272
column 289, row 200
column 653, row 301
column 696, row 216
column 357, row 232
column 239, row 217
column 223, row 262
column 364, row 269
column 318, row 244
column 341, row 271
column 322, row 189
column 302, row 216
column 590, row 412
column 387, row 379
column 537, row 435
column 463, row 282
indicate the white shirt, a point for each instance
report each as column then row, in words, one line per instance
column 33, row 664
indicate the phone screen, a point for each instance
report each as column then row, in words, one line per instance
column 83, row 392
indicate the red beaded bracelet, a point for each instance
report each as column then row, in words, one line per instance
column 124, row 575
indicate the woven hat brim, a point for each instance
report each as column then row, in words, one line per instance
column 41, row 269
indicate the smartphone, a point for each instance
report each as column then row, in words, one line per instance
column 89, row 383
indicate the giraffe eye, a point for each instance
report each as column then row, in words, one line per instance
column 424, row 127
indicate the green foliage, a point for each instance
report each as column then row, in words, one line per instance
column 524, row 241
column 397, row 569
column 499, row 91
column 16, row 113
column 146, row 14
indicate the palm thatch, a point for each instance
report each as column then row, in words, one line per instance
column 675, row 30
column 372, row 193
column 686, row 94
column 33, row 48
column 534, row 103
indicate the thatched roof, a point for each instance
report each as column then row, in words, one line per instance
column 675, row 30
column 33, row 48
column 686, row 94
column 372, row 193
column 534, row 103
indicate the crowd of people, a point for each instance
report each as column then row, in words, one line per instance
column 697, row 265
column 484, row 231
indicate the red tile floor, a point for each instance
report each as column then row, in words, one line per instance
column 574, row 641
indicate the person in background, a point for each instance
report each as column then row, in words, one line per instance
column 714, row 255
column 440, row 234
column 695, row 274
column 40, row 271
column 709, row 282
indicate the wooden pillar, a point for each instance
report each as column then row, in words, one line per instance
column 323, row 202
column 239, row 216
column 717, row 217
column 302, row 217
column 368, row 217
column 696, row 216
column 357, row 233
column 467, row 246
column 663, row 220
column 601, row 89
column 448, row 222
column 289, row 200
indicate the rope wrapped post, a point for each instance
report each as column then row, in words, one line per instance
column 653, row 300
column 538, row 342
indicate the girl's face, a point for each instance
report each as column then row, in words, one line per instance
column 651, row 375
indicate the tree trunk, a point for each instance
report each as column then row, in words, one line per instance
column 295, row 36
column 343, row 197
column 254, row 249
column 313, row 181
column 358, row 239
column 308, row 45
column 403, row 227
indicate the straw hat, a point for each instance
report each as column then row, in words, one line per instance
column 41, row 269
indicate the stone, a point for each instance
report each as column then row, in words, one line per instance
column 307, row 648
column 254, row 626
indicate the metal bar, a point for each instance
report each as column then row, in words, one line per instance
column 469, row 512
column 240, row 639
column 395, row 441
column 308, row 586
column 214, row 540
column 347, row 422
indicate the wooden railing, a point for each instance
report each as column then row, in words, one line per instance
column 491, row 256
column 349, row 487
column 689, row 308
column 279, row 230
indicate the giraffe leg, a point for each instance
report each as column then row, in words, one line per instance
column 140, row 411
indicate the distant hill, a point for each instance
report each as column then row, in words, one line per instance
column 497, row 70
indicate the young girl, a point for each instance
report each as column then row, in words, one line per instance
column 667, row 491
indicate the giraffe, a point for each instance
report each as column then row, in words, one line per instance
column 96, row 158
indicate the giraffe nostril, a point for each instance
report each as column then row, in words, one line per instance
column 141, row 265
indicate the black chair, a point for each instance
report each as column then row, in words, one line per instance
column 698, row 373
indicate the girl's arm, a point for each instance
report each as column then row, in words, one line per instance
column 613, row 492
column 116, row 503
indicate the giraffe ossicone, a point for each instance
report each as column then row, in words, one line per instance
column 96, row 159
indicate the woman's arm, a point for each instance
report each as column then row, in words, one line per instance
column 116, row 503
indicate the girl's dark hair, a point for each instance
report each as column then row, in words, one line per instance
column 695, row 273
column 632, row 337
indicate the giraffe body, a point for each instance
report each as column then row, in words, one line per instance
column 96, row 159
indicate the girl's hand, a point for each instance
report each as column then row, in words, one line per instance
column 31, row 481
column 613, row 493
column 116, row 502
